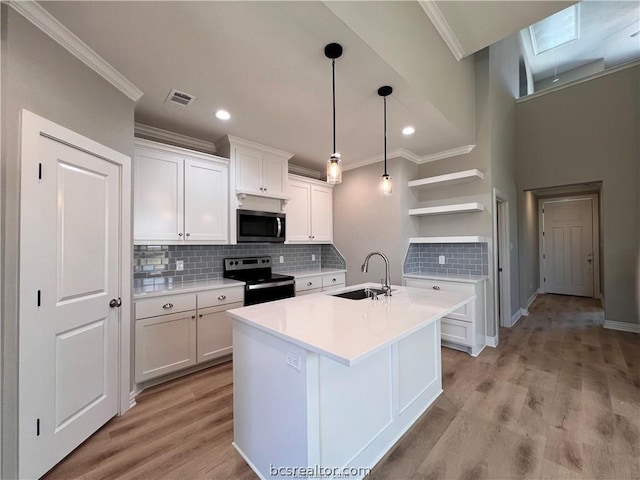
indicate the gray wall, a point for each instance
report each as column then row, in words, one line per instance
column 504, row 73
column 39, row 75
column 584, row 133
column 364, row 221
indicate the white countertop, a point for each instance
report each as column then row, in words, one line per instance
column 448, row 276
column 311, row 273
column 349, row 330
column 167, row 288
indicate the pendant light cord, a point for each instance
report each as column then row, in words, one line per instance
column 333, row 76
column 385, row 135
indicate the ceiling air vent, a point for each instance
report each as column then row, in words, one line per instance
column 176, row 97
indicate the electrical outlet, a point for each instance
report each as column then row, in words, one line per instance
column 293, row 360
column 281, row 258
column 179, row 265
column 441, row 259
column 313, row 257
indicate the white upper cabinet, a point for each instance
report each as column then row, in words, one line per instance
column 310, row 211
column 259, row 170
column 158, row 195
column 180, row 196
column 205, row 200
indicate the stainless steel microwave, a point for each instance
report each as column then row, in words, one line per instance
column 256, row 227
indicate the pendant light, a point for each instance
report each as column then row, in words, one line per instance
column 385, row 180
column 334, row 168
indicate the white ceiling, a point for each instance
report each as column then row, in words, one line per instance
column 264, row 62
column 605, row 33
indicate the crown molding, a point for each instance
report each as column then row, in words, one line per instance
column 412, row 157
column 46, row 22
column 305, row 172
column 452, row 152
column 230, row 139
column 147, row 131
column 397, row 153
column 443, row 27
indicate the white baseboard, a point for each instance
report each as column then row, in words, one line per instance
column 531, row 300
column 622, row 326
column 491, row 341
column 132, row 398
column 516, row 316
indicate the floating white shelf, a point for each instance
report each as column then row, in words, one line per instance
column 448, row 179
column 454, row 239
column 445, row 209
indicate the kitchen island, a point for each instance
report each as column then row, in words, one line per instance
column 323, row 384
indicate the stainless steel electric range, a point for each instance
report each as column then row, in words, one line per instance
column 261, row 285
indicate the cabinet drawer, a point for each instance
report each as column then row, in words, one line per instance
column 152, row 307
column 308, row 283
column 308, row 292
column 222, row 296
column 464, row 312
column 456, row 331
column 333, row 280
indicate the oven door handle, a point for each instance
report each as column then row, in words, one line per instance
column 270, row 285
column 279, row 231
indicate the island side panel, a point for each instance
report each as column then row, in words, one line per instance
column 419, row 369
column 366, row 408
column 269, row 400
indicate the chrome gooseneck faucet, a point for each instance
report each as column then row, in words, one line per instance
column 386, row 287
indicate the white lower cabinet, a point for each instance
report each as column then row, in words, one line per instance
column 320, row 283
column 166, row 342
column 464, row 328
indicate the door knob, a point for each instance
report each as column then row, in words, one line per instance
column 115, row 302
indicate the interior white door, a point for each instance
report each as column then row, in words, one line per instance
column 568, row 247
column 205, row 201
column 69, row 264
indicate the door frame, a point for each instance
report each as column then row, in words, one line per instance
column 595, row 233
column 33, row 125
column 499, row 198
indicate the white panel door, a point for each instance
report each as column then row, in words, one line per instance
column 568, row 247
column 298, row 209
column 70, row 226
column 158, row 196
column 205, row 201
column 274, row 175
column 248, row 169
column 321, row 214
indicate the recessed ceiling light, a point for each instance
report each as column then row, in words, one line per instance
column 408, row 131
column 223, row 115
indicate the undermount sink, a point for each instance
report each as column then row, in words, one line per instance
column 360, row 294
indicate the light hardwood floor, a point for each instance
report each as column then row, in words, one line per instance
column 559, row 398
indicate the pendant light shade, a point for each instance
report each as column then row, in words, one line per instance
column 385, row 180
column 334, row 167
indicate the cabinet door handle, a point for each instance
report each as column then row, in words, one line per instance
column 309, row 284
column 167, row 306
column 200, row 315
column 179, row 234
column 188, row 234
column 333, row 280
column 436, row 287
column 193, row 316
column 222, row 297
